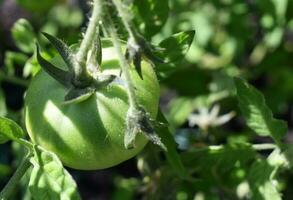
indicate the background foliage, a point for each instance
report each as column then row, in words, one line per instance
column 251, row 39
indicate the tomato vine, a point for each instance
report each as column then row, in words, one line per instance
column 94, row 104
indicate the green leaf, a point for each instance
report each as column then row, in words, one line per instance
column 174, row 50
column 288, row 153
column 151, row 15
column 179, row 110
column 49, row 180
column 13, row 59
column 213, row 162
column 171, row 146
column 23, row 35
column 262, row 182
column 59, row 75
column 176, row 46
column 65, row 16
column 31, row 67
column 9, row 130
column 62, row 48
column 256, row 113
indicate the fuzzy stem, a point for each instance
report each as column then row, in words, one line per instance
column 122, row 60
column 87, row 42
column 90, row 33
column 126, row 19
column 11, row 185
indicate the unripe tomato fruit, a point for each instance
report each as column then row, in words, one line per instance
column 88, row 135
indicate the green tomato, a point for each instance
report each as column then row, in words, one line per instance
column 37, row 5
column 88, row 135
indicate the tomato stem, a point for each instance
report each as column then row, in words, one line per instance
column 87, row 42
column 14, row 180
column 126, row 20
column 26, row 143
column 125, row 67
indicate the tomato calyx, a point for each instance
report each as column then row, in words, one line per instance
column 58, row 74
column 140, row 48
column 76, row 95
column 82, row 78
column 139, row 121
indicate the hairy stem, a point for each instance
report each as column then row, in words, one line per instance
column 87, row 42
column 90, row 33
column 122, row 60
column 11, row 185
column 126, row 18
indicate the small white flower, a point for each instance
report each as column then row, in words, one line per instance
column 205, row 118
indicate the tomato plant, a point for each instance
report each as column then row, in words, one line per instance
column 132, row 103
column 89, row 134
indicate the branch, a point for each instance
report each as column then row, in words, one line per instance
column 122, row 60
column 87, row 42
column 11, row 185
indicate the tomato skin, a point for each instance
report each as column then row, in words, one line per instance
column 88, row 135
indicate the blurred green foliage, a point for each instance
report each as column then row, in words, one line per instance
column 251, row 39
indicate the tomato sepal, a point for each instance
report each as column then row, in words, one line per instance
column 63, row 77
column 63, row 50
column 136, row 50
column 138, row 121
column 77, row 95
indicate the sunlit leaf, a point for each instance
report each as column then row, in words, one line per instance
column 172, row 50
column 151, row 15
column 256, row 113
column 175, row 47
column 49, row 180
column 262, row 181
column 9, row 130
column 23, row 35
column 31, row 67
